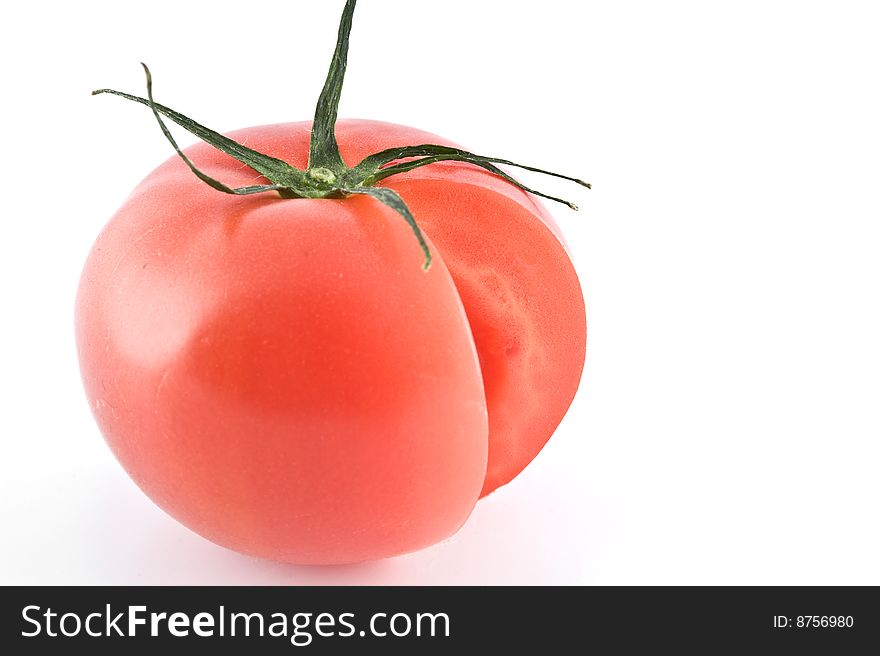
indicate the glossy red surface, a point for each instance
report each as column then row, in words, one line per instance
column 282, row 377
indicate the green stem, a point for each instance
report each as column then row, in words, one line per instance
column 323, row 149
column 327, row 175
column 380, row 166
column 216, row 184
column 269, row 167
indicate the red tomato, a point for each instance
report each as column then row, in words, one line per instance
column 282, row 376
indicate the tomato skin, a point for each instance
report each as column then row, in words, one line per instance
column 510, row 263
column 520, row 290
column 282, row 377
column 525, row 310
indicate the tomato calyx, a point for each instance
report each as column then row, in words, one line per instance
column 327, row 175
column 322, row 175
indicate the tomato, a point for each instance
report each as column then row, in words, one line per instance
column 283, row 378
column 276, row 369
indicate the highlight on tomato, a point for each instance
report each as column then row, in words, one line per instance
column 324, row 346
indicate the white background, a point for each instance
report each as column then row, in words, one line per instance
column 726, row 431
